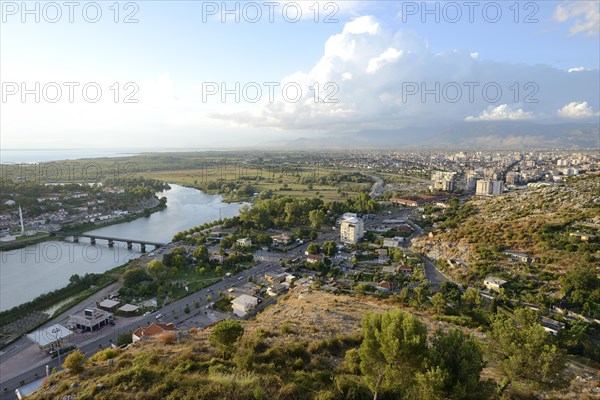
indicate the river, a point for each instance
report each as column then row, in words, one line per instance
column 26, row 273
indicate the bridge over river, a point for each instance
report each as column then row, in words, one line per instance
column 111, row 240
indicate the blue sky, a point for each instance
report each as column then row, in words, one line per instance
column 371, row 52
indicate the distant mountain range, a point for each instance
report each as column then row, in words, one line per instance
column 499, row 135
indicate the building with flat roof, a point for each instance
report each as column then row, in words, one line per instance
column 49, row 336
column 129, row 309
column 109, row 304
column 90, row 319
column 488, row 188
column 352, row 230
column 243, row 304
column 396, row 241
column 493, row 283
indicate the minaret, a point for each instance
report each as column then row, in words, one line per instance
column 21, row 218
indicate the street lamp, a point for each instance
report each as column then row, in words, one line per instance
column 56, row 334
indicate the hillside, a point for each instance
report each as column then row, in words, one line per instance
column 535, row 221
column 294, row 350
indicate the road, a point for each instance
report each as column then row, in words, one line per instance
column 433, row 275
column 90, row 343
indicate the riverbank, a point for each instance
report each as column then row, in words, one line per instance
column 29, row 316
column 82, row 227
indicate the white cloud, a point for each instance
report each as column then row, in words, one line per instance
column 370, row 71
column 474, row 55
column 584, row 14
column 501, row 113
column 387, row 57
column 365, row 24
column 577, row 110
column 576, row 69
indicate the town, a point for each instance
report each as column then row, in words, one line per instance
column 392, row 239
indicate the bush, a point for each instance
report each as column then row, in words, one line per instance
column 75, row 362
column 167, row 338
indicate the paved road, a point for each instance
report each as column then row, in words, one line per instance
column 92, row 342
column 9, row 380
column 433, row 275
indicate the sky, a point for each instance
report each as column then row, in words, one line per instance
column 200, row 74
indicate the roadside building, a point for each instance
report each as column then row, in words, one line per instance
column 129, row 309
column 488, row 187
column 274, row 277
column 152, row 330
column 108, row 305
column 51, row 336
column 284, row 239
column 90, row 319
column 276, row 289
column 351, row 230
column 314, row 258
column 396, row 241
column 243, row 304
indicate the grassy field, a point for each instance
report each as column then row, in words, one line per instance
column 282, row 183
column 264, row 171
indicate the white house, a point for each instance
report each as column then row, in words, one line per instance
column 493, row 283
column 396, row 241
column 243, row 304
column 244, row 242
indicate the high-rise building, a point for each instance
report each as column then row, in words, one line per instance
column 488, row 187
column 351, row 230
column 512, row 178
column 442, row 180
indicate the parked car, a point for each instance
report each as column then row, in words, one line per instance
column 159, row 316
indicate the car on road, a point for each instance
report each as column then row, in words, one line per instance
column 147, row 313
column 64, row 350
column 240, row 278
column 158, row 316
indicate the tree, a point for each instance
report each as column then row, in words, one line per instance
column 429, row 385
column 201, row 253
column 525, row 350
column 75, row 362
column 420, row 294
column 439, row 302
column 225, row 334
column 404, row 295
column 329, row 248
column 134, row 277
column 461, row 360
column 317, row 218
column 157, row 269
column 582, row 285
column 313, row 248
column 74, row 279
column 393, row 347
column 450, row 291
column 124, row 339
column 471, row 298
